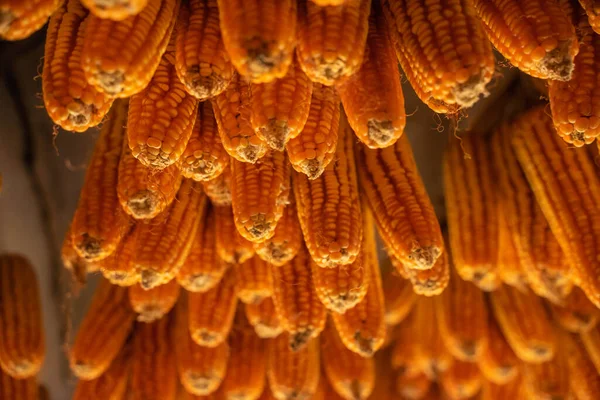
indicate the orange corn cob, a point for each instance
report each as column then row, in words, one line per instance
column 155, row 303
column 497, row 362
column 431, row 356
column 21, row 19
column 118, row 268
column 263, row 317
column 535, row 36
column 525, row 324
column 232, row 112
column 403, row 211
column 331, row 40
column 471, row 205
column 293, row 374
column 103, row 331
column 591, row 342
column 231, row 246
column 201, row 369
column 404, row 354
column 286, row 241
column 300, row 312
column 111, row 385
column 577, row 314
column 22, row 345
column 413, row 387
column 329, row 209
column 279, row 109
column 116, row 10
column 592, row 9
column 218, row 189
column 120, row 58
column 254, row 280
column 462, row 380
column 510, row 390
column 430, row 282
column 211, row 313
column 313, row 149
column 584, row 378
column 164, row 242
column 153, row 376
column 570, row 203
column 399, row 298
column 510, row 267
column 324, row 3
column 70, row 101
column 201, row 61
column 446, row 57
column 204, row 157
column 350, row 375
column 547, row 380
column 73, row 262
column 259, row 36
column 17, row 389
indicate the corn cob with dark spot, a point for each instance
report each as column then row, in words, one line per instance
column 153, row 304
column 118, row 268
column 577, row 314
column 264, row 318
column 120, row 58
column 429, row 282
column 231, row 246
column 103, row 332
column 112, row 384
column 20, row 19
column 22, row 345
column 286, row 241
column 547, row 380
column 18, row 389
column 497, row 362
column 116, row 10
column 399, row 298
column 591, row 342
column 254, row 280
column 462, row 380
column 583, row 377
column 413, row 387
column 218, row 189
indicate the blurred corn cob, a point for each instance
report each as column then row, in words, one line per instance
column 115, row 9
column 20, row 19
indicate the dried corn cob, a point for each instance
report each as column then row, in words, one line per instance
column 259, row 36
column 70, row 101
column 525, row 324
column 547, row 380
column 293, row 374
column 445, row 56
column 591, row 341
column 73, row 262
column 324, row 3
column 201, row 60
column 153, row 376
column 153, row 304
column 21, row 19
column 570, row 203
column 296, row 302
column 429, row 282
column 536, row 36
column 263, row 317
column 497, row 362
column 22, row 345
column 331, row 40
column 103, row 331
column 471, row 206
column 211, row 313
column 231, row 246
column 17, row 389
column 279, row 109
column 399, row 298
column 254, row 280
column 232, row 112
column 510, row 268
column 577, row 314
column 112, row 384
column 218, row 189
column 405, row 355
column 462, row 380
column 592, row 9
column 313, row 149
column 120, row 58
column 118, row 268
column 413, row 387
column 494, row 391
column 584, row 378
column 204, row 157
column 329, row 208
column 164, row 242
column 116, row 10
column 403, row 211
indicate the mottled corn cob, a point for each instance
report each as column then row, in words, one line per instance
column 99, row 222
column 313, row 149
column 204, row 157
column 462, row 380
column 155, row 303
column 218, row 189
column 430, row 282
column 372, row 97
column 264, row 318
column 591, row 341
column 331, row 40
column 120, row 58
column 413, row 387
column 403, row 211
column 17, row 389
column 442, row 49
column 22, row 345
column 118, row 268
column 584, row 378
column 547, row 380
column 286, row 241
column 399, row 298
column 592, row 9
column 70, row 101
column 20, row 19
column 103, row 331
column 329, row 208
column 116, row 10
column 253, row 281
column 296, row 301
column 535, row 36
column 497, row 362
column 259, row 36
column 231, row 246
column 112, row 384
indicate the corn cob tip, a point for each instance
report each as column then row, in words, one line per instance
column 262, row 59
column 111, row 82
column 259, row 227
column 201, row 383
column 469, row 92
column 89, row 247
column 143, row 204
column 299, row 339
column 558, row 63
column 250, row 153
column 312, row 168
column 204, row 86
column 274, row 133
column 80, row 114
column 150, row 279
column 197, row 282
column 382, row 133
column 366, row 345
column 424, row 257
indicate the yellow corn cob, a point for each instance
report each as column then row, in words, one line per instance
column 286, row 241
column 103, row 331
column 577, row 314
column 300, row 312
column 547, row 380
column 444, row 53
column 254, row 280
column 204, row 157
column 211, row 313
column 70, row 101
column 153, row 376
column 405, row 355
column 20, row 19
column 399, row 298
column 231, row 246
column 201, row 369
column 413, row 387
column 497, row 362
column 510, row 268
column 293, row 374
column 570, row 203
column 17, row 389
column 535, row 36
column 263, row 317
column 591, row 341
column 510, row 390
column 430, row 282
column 331, row 40
column 120, row 58
column 403, row 211
column 232, row 112
column 350, row 375
column 584, row 378
column 218, row 189
column 313, row 149
column 201, row 61
column 164, row 242
column 22, row 345
column 118, row 268
column 73, row 262
column 592, row 9
column 153, row 304
column 112, row 384
column 525, row 324
column 471, row 206
column 329, row 208
column 259, row 36
column 116, row 10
